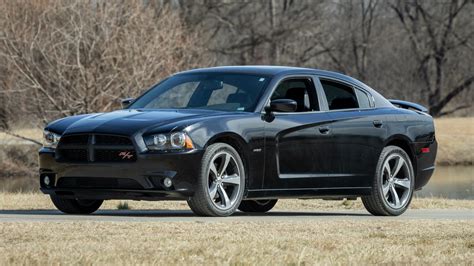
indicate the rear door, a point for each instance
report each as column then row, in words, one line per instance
column 357, row 132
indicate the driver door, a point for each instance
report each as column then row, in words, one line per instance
column 297, row 146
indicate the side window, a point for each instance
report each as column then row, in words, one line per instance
column 300, row 90
column 339, row 96
column 363, row 98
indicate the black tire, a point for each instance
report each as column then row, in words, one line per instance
column 73, row 206
column 257, row 205
column 201, row 203
column 376, row 203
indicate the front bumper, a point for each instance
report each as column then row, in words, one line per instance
column 142, row 179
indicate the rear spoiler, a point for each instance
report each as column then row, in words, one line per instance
column 409, row 105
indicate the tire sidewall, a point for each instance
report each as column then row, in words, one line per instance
column 203, row 188
column 388, row 151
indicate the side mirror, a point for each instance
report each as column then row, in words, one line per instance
column 126, row 102
column 282, row 105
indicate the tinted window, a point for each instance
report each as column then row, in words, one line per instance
column 178, row 97
column 219, row 96
column 363, row 99
column 339, row 96
column 301, row 91
column 215, row 91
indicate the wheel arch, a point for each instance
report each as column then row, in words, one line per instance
column 237, row 142
column 404, row 143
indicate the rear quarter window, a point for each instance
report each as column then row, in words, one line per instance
column 363, row 99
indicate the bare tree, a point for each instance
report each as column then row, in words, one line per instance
column 256, row 32
column 3, row 100
column 349, row 35
column 71, row 57
column 437, row 30
column 80, row 58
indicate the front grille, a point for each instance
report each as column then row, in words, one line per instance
column 112, row 140
column 74, row 155
column 75, row 140
column 95, row 148
column 98, row 182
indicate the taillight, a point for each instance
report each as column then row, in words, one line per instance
column 425, row 150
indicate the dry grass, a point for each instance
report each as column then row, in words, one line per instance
column 30, row 133
column 35, row 201
column 456, row 140
column 339, row 241
column 230, row 243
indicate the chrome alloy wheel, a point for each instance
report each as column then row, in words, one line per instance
column 396, row 181
column 224, row 180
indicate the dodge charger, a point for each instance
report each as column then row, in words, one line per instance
column 240, row 138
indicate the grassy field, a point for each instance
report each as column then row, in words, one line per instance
column 238, row 243
column 336, row 241
column 456, row 141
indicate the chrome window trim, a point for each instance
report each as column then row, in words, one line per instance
column 295, row 76
column 353, row 86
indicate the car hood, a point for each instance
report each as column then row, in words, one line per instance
column 127, row 122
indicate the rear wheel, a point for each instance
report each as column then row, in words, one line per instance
column 76, row 206
column 257, row 205
column 393, row 185
column 220, row 185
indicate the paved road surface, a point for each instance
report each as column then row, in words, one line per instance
column 187, row 216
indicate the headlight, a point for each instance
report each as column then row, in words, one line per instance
column 160, row 140
column 50, row 139
column 178, row 140
column 168, row 142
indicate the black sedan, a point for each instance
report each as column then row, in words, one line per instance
column 229, row 138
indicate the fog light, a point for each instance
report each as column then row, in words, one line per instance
column 46, row 180
column 167, row 182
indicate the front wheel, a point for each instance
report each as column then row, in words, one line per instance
column 76, row 206
column 221, row 182
column 393, row 185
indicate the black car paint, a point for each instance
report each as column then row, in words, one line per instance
column 312, row 154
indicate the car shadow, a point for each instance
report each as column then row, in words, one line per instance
column 179, row 213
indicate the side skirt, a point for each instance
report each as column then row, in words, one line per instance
column 308, row 193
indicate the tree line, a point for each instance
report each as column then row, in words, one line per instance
column 62, row 58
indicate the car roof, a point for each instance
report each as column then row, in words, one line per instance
column 258, row 70
column 273, row 71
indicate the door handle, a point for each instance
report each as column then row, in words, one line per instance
column 378, row 123
column 324, row 130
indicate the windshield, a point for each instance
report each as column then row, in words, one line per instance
column 213, row 91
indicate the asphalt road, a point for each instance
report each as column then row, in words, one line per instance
column 187, row 216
